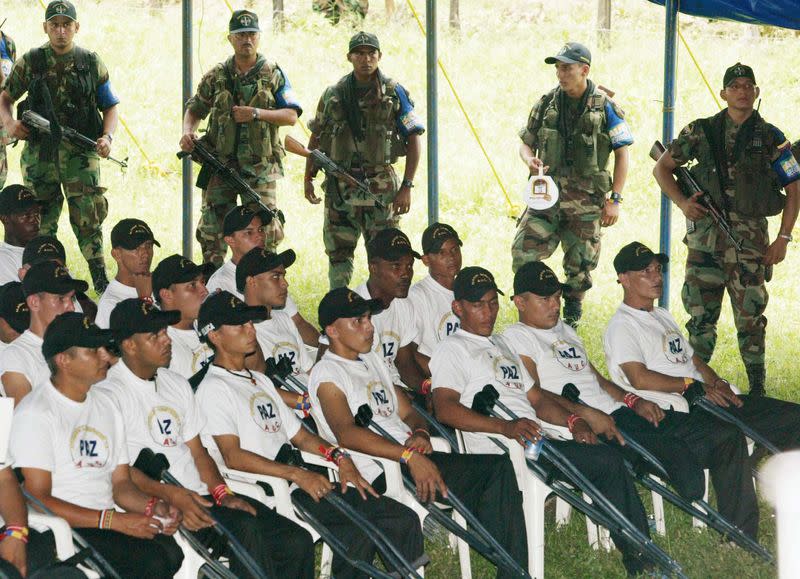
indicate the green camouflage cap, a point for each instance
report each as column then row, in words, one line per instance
column 738, row 70
column 364, row 39
column 243, row 21
column 60, row 8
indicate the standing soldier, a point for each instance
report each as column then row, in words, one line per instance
column 8, row 54
column 248, row 98
column 742, row 162
column 69, row 86
column 571, row 131
column 364, row 123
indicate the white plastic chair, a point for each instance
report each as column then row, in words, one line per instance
column 65, row 547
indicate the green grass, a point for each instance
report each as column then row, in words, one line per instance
column 496, row 64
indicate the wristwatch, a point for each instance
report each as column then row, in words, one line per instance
column 109, row 136
column 615, row 198
column 407, row 183
column 255, row 114
column 786, row 236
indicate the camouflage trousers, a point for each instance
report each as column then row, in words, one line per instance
column 78, row 173
column 574, row 221
column 218, row 199
column 349, row 215
column 3, row 158
column 710, row 273
column 333, row 10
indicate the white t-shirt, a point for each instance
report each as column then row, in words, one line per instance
column 279, row 338
column 363, row 381
column 80, row 443
column 24, row 356
column 225, row 279
column 160, row 414
column 188, row 352
column 560, row 358
column 10, row 262
column 394, row 328
column 253, row 412
column 115, row 293
column 433, row 313
column 654, row 339
column 466, row 362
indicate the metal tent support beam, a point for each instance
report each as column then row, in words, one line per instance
column 668, row 122
column 433, row 113
column 187, row 161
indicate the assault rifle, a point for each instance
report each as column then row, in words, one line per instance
column 689, row 186
column 322, row 161
column 38, row 123
column 203, row 155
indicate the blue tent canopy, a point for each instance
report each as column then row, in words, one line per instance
column 783, row 13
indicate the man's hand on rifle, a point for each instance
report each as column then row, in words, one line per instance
column 18, row 130
column 692, row 208
column 103, row 146
column 402, row 201
column 187, row 141
column 308, row 185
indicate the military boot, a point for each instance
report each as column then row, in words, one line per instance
column 756, row 375
column 573, row 309
column 97, row 269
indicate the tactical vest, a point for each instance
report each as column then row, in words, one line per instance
column 79, row 109
column 591, row 145
column 262, row 136
column 382, row 144
column 756, row 189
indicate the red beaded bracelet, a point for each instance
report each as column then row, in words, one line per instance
column 425, row 387
column 631, row 399
column 220, row 492
column 150, row 507
column 571, row 420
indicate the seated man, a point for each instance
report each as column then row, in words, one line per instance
column 21, row 214
column 49, row 291
column 350, row 374
column 247, row 426
column 463, row 363
column 159, row 411
column 69, row 441
column 15, row 317
column 431, row 298
column 132, row 244
column 646, row 353
column 243, row 228
column 554, row 355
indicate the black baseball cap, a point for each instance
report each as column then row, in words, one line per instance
column 53, row 278
column 243, row 21
column 73, row 329
column 472, row 283
column 390, row 244
column 571, row 53
column 343, row 302
column 636, row 256
column 177, row 269
column 536, row 277
column 738, row 70
column 60, row 8
column 363, row 39
column 225, row 309
column 16, row 199
column 13, row 307
column 43, row 248
column 240, row 217
column 131, row 233
column 139, row 316
column 258, row 260
column 435, row 235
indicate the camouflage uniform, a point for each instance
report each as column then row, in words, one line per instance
column 388, row 119
column 582, row 178
column 333, row 10
column 757, row 168
column 253, row 149
column 74, row 169
column 8, row 54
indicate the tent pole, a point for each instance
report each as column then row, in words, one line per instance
column 433, row 114
column 187, row 161
column 668, row 122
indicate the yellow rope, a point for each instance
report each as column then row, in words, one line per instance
column 700, row 70
column 228, row 4
column 514, row 209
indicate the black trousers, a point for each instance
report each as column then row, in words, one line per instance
column 397, row 521
column 487, row 486
column 282, row 547
column 133, row 557
column 777, row 420
column 42, row 562
column 717, row 446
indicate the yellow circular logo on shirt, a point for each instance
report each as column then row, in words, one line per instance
column 380, row 401
column 507, row 373
column 674, row 347
column 88, row 447
column 164, row 425
column 570, row 355
column 264, row 412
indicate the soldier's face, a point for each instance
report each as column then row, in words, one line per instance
column 740, row 94
column 392, row 277
column 271, row 287
column 186, row 297
column 47, row 306
column 571, row 76
column 539, row 311
column 237, row 339
column 478, row 317
column 22, row 227
column 445, row 263
column 153, row 349
column 245, row 44
column 135, row 261
column 352, row 334
column 61, row 31
column 88, row 365
column 365, row 60
column 645, row 284
column 246, row 239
